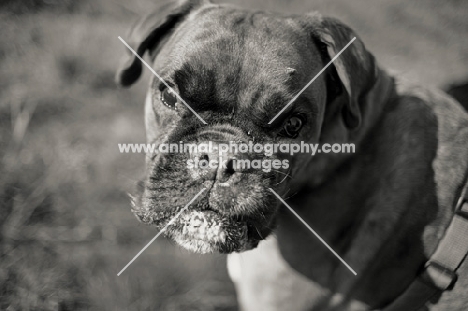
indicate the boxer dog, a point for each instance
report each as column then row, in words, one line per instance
column 384, row 208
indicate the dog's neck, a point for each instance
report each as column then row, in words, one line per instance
column 345, row 197
column 372, row 106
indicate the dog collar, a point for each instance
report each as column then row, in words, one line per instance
column 440, row 271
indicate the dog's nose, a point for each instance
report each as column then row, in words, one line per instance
column 214, row 164
column 226, row 167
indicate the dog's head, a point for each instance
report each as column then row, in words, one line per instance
column 235, row 70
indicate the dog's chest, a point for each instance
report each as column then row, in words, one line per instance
column 264, row 281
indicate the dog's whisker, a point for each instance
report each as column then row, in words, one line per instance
column 292, row 195
column 258, row 231
column 287, row 173
column 268, row 178
column 281, row 181
column 286, row 192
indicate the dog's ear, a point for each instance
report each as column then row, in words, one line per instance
column 149, row 32
column 355, row 67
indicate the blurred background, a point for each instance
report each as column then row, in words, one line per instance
column 65, row 222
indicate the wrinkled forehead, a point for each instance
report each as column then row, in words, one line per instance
column 233, row 32
column 240, row 55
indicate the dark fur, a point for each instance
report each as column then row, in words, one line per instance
column 459, row 91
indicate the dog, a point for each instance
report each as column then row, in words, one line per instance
column 384, row 208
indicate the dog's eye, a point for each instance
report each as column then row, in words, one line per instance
column 169, row 98
column 292, row 127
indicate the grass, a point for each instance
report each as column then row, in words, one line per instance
column 66, row 229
